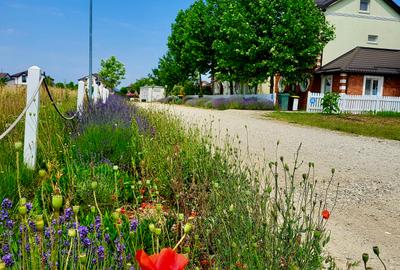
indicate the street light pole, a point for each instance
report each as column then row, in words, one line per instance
column 90, row 48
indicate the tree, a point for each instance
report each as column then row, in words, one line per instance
column 112, row 72
column 60, row 85
column 49, row 81
column 140, row 83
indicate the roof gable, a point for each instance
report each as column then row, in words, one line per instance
column 23, row 73
column 366, row 60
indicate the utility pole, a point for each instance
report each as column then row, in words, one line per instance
column 90, row 49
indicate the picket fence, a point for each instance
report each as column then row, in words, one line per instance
column 356, row 104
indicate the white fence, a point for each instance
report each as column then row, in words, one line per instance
column 356, row 104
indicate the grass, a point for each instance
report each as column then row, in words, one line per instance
column 382, row 125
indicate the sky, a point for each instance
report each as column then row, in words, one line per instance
column 54, row 35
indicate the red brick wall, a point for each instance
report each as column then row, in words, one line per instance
column 315, row 84
column 355, row 84
column 391, row 86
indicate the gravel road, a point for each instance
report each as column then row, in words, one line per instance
column 368, row 169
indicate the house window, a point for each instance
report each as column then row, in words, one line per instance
column 304, row 85
column 373, row 86
column 373, row 39
column 23, row 79
column 326, row 84
column 364, row 5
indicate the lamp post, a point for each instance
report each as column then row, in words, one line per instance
column 90, row 48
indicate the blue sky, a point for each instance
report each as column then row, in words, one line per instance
column 54, row 35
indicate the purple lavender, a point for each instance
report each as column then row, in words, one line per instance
column 6, row 204
column 133, row 225
column 100, row 253
column 83, row 231
column 8, row 260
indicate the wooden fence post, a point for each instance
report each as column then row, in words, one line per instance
column 32, row 117
column 81, row 96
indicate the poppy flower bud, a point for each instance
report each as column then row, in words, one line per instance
column 39, row 223
column 188, row 227
column 93, row 209
column 72, row 233
column 57, row 201
column 152, row 227
column 157, row 231
column 365, row 258
column 158, row 207
column 115, row 215
column 42, row 173
column 281, row 158
column 148, row 182
column 181, row 217
column 75, row 208
column 115, row 168
column 376, row 250
column 186, row 250
column 18, row 146
column 94, row 185
column 333, row 170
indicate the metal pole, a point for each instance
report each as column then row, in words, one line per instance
column 90, row 48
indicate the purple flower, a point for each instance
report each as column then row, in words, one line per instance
column 6, row 249
column 6, row 204
column 4, row 215
column 68, row 214
column 10, row 224
column 28, row 206
column 97, row 223
column 86, row 242
column 100, row 253
column 133, row 225
column 83, row 231
column 8, row 260
column 107, row 238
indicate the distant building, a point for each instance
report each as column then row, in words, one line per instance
column 5, row 76
column 18, row 78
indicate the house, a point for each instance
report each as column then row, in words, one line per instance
column 18, row 78
column 95, row 76
column 5, row 76
column 364, row 57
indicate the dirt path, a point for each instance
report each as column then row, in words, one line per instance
column 368, row 169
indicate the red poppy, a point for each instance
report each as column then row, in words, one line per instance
column 167, row 259
column 123, row 211
column 326, row 214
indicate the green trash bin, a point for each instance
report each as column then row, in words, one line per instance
column 283, row 101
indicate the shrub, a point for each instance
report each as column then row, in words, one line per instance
column 330, row 103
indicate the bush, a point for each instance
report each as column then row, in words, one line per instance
column 330, row 103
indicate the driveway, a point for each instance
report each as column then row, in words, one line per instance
column 368, row 170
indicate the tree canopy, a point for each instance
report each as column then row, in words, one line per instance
column 112, row 72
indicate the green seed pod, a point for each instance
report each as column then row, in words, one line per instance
column 148, row 182
column 42, row 173
column 93, row 209
column 39, row 223
column 76, row 208
column 231, row 208
column 115, row 168
column 152, row 227
column 72, row 233
column 157, row 231
column 18, row 146
column 188, row 227
column 22, row 210
column 186, row 250
column 57, row 201
column 115, row 215
column 94, row 185
column 83, row 258
column 181, row 217
column 22, row 201
column 158, row 207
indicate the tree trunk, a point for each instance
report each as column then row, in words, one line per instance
column 271, row 86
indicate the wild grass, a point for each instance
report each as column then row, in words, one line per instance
column 380, row 125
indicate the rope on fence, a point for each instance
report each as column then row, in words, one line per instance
column 14, row 124
column 54, row 104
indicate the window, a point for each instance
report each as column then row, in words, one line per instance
column 373, row 39
column 364, row 5
column 326, row 84
column 23, row 79
column 304, row 85
column 373, row 85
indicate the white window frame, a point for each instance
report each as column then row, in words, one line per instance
column 373, row 42
column 323, row 78
column 365, row 11
column 381, row 81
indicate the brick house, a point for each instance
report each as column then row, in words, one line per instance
column 361, row 71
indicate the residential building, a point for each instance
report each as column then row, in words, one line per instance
column 19, row 78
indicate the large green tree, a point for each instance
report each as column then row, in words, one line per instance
column 112, row 72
